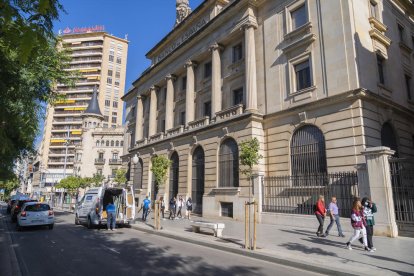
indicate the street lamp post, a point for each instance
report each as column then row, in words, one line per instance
column 135, row 160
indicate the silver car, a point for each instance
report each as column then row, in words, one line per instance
column 35, row 214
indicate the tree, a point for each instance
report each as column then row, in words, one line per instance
column 120, row 176
column 31, row 64
column 160, row 165
column 94, row 181
column 9, row 185
column 249, row 157
column 71, row 184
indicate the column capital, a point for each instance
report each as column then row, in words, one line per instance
column 154, row 87
column 248, row 24
column 216, row 46
column 140, row 97
column 170, row 77
column 190, row 63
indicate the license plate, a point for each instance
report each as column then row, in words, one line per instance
column 37, row 220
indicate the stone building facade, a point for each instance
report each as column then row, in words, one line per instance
column 316, row 82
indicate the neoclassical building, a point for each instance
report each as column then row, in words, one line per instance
column 316, row 82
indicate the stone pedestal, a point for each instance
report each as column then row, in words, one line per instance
column 379, row 190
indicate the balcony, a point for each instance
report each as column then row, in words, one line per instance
column 115, row 161
column 141, row 142
column 156, row 137
column 99, row 161
column 229, row 112
column 199, row 123
column 176, row 130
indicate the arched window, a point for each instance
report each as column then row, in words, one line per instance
column 97, row 143
column 307, row 151
column 122, row 143
column 174, row 174
column 229, row 164
column 112, row 143
column 117, row 143
column 388, row 138
column 102, row 143
column 86, row 124
column 107, row 143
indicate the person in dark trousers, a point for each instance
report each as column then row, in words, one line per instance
column 369, row 208
column 189, row 205
column 180, row 206
column 110, row 216
column 146, row 204
column 320, row 212
column 162, row 206
column 172, row 208
column 359, row 224
column 334, row 215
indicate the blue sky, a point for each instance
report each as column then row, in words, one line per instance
column 145, row 22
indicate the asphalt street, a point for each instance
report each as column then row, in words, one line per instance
column 69, row 249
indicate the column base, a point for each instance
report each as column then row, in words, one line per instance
column 387, row 230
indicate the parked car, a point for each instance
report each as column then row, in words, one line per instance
column 17, row 206
column 91, row 209
column 35, row 214
column 10, row 204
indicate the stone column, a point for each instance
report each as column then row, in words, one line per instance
column 153, row 112
column 139, row 119
column 169, row 103
column 250, row 52
column 380, row 191
column 189, row 96
column 215, row 79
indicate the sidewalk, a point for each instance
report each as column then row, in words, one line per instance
column 8, row 260
column 298, row 247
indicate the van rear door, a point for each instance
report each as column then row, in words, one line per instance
column 130, row 203
column 88, row 204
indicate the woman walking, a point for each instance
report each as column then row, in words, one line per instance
column 320, row 212
column 189, row 205
column 358, row 223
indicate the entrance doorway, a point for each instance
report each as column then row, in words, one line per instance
column 198, row 180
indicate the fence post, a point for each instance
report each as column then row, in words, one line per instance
column 380, row 190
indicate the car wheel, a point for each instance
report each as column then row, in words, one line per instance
column 76, row 220
column 50, row 226
column 89, row 225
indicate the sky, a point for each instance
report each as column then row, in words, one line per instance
column 145, row 22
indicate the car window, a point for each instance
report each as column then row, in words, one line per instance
column 37, row 208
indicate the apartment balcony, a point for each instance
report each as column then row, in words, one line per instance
column 60, row 154
column 83, row 66
column 99, row 161
column 96, row 52
column 86, row 60
column 115, row 161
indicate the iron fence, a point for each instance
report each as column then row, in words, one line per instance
column 298, row 194
column 402, row 181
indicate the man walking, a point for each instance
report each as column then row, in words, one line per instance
column 110, row 216
column 145, row 208
column 334, row 214
column 172, row 208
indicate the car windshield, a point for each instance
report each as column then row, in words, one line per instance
column 21, row 202
column 37, row 208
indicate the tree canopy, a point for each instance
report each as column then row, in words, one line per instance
column 120, row 176
column 160, row 165
column 31, row 64
column 9, row 185
column 249, row 155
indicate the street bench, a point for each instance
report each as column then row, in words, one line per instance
column 217, row 227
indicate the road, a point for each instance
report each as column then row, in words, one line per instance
column 74, row 250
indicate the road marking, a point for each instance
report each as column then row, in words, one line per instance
column 111, row 249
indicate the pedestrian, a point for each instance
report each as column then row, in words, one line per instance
column 172, row 207
column 146, row 204
column 162, row 206
column 369, row 208
column 320, row 212
column 110, row 216
column 358, row 223
column 180, row 206
column 189, row 205
column 334, row 215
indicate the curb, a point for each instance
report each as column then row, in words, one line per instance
column 15, row 268
column 251, row 254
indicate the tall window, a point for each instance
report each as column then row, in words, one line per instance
column 106, row 118
column 107, row 143
column 109, row 80
column 110, row 72
column 182, row 118
column 137, row 181
column 207, row 70
column 388, row 138
column 116, row 82
column 174, row 174
column 307, row 151
column 113, row 120
column 112, row 143
column 373, row 9
column 401, row 33
column 184, row 83
column 115, row 104
column 115, row 155
column 229, row 164
column 117, row 74
column 207, row 109
column 97, row 143
column 118, row 60
column 238, row 96
column 107, row 102
column 298, row 17
column 380, row 66
column 117, row 143
column 302, row 75
column 101, row 155
column 237, row 53
column 408, row 86
column 111, row 55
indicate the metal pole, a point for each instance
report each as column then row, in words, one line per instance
column 246, row 227
column 255, row 225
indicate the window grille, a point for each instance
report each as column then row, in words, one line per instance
column 229, row 164
column 307, row 151
column 174, row 174
column 137, row 182
column 388, row 138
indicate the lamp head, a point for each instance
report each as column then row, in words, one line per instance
column 135, row 159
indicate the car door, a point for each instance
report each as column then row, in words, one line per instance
column 130, row 203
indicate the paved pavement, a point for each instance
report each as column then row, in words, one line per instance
column 298, row 247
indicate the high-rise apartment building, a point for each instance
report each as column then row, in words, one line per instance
column 101, row 60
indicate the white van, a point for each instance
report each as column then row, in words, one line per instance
column 91, row 209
